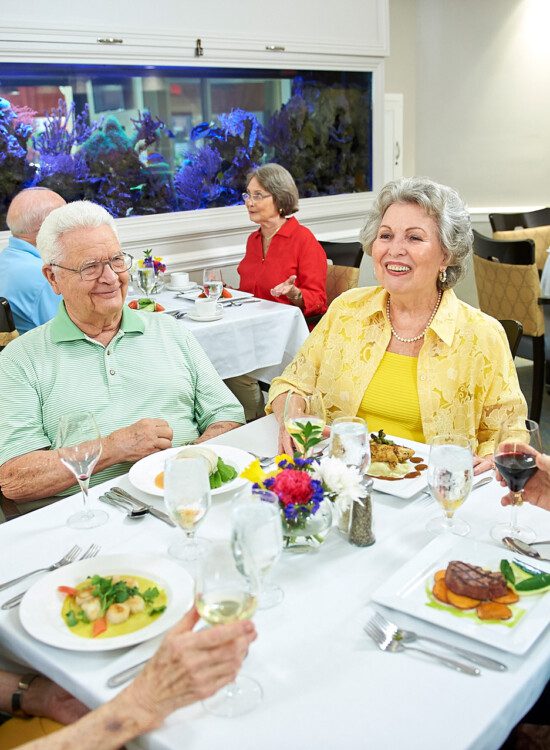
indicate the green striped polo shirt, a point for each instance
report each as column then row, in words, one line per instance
column 153, row 368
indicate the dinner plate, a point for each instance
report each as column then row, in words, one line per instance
column 405, row 488
column 143, row 472
column 192, row 294
column 406, row 591
column 40, row 609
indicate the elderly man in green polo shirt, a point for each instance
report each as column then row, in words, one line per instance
column 144, row 376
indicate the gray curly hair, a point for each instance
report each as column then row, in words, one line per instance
column 440, row 202
column 280, row 184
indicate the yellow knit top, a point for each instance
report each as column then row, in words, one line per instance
column 390, row 402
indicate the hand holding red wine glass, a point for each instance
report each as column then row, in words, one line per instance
column 515, row 459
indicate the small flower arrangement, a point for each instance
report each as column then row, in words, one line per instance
column 152, row 262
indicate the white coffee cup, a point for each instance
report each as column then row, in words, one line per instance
column 180, row 278
column 205, row 308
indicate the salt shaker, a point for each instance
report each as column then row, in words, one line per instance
column 360, row 530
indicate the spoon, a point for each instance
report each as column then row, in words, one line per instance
column 516, row 545
column 119, row 503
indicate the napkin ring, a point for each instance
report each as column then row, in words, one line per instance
column 16, row 698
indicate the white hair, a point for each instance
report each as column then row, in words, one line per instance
column 29, row 208
column 76, row 215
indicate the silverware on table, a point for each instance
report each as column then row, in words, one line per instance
column 127, row 674
column 427, row 495
column 67, row 558
column 409, row 636
column 92, row 551
column 385, row 642
column 529, row 568
column 124, row 505
column 517, row 545
column 139, row 504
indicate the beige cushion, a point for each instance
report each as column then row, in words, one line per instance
column 540, row 236
column 5, row 338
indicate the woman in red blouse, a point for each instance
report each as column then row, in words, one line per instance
column 283, row 261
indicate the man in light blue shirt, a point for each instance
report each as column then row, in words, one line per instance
column 22, row 283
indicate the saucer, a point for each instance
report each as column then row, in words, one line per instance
column 182, row 288
column 206, row 318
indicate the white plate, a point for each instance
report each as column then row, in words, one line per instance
column 405, row 591
column 192, row 294
column 205, row 318
column 183, row 288
column 142, row 474
column 40, row 609
column 405, row 488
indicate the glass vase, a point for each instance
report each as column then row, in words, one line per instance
column 308, row 533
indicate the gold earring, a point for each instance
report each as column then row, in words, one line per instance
column 443, row 275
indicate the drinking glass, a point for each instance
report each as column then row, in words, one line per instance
column 187, row 499
column 257, row 527
column 349, row 441
column 212, row 283
column 515, row 449
column 226, row 592
column 146, row 280
column 79, row 445
column 304, row 415
column 450, row 473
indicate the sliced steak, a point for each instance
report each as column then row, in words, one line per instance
column 471, row 580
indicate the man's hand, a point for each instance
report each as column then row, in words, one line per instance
column 45, row 698
column 140, row 439
column 537, row 489
column 288, row 289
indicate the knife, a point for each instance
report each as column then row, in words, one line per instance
column 121, row 677
column 139, row 504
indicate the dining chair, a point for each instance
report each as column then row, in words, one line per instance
column 342, row 271
column 508, row 288
column 7, row 327
column 513, row 330
column 532, row 225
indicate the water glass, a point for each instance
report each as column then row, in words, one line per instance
column 212, row 283
column 187, row 498
column 349, row 441
column 450, row 473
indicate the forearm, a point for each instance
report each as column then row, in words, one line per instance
column 8, row 685
column 218, row 428
column 278, row 407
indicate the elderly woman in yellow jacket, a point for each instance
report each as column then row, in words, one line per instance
column 408, row 355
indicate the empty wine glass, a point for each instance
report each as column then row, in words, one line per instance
column 257, row 527
column 304, row 420
column 146, row 280
column 212, row 282
column 227, row 592
column 349, row 441
column 187, row 499
column 515, row 449
column 450, row 473
column 78, row 442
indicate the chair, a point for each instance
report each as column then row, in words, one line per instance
column 513, row 330
column 7, row 327
column 342, row 272
column 532, row 225
column 508, row 287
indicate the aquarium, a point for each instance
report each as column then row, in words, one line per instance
column 143, row 140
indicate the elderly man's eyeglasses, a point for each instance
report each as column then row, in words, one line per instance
column 255, row 197
column 92, row 271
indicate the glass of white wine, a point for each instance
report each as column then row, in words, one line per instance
column 187, row 498
column 212, row 283
column 450, row 473
column 78, row 442
column 257, row 527
column 227, row 591
column 304, row 417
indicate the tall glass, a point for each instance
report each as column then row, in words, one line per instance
column 187, row 498
column 227, row 592
column 78, row 442
column 304, row 416
column 515, row 449
column 257, row 527
column 146, row 280
column 212, row 282
column 349, row 441
column 450, row 473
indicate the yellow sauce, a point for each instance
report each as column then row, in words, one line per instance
column 133, row 623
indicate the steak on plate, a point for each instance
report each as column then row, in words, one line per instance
column 471, row 580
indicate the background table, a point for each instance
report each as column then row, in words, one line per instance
column 325, row 683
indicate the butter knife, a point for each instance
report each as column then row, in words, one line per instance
column 127, row 674
column 140, row 504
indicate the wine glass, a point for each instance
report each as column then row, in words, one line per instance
column 257, row 527
column 515, row 449
column 450, row 473
column 78, row 442
column 304, row 419
column 212, row 283
column 146, row 280
column 227, row 591
column 187, row 499
column 349, row 441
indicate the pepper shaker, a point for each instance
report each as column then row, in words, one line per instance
column 360, row 531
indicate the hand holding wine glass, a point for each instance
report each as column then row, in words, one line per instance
column 515, row 458
column 212, row 283
column 304, row 419
column 450, row 472
column 78, row 443
column 187, row 498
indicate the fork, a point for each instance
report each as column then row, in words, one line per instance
column 406, row 636
column 67, row 558
column 426, row 496
column 92, row 551
column 386, row 642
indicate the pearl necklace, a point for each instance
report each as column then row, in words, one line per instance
column 420, row 335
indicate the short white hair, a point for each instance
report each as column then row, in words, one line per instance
column 76, row 215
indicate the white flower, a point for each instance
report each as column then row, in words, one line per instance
column 343, row 481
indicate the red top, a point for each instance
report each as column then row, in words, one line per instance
column 292, row 251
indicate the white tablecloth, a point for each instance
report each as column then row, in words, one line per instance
column 258, row 337
column 326, row 686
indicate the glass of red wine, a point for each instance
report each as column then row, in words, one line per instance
column 515, row 459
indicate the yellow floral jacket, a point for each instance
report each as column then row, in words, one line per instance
column 467, row 382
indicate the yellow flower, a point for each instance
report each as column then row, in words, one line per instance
column 254, row 472
column 283, row 457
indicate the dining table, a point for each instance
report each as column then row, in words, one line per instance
column 325, row 683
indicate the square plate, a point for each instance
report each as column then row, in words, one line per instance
column 406, row 592
column 192, row 295
column 405, row 488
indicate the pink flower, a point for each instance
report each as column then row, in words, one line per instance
column 293, row 487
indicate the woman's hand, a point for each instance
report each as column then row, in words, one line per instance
column 483, row 464
column 288, row 289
